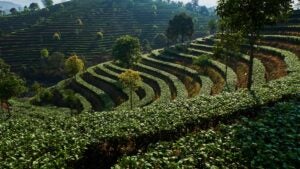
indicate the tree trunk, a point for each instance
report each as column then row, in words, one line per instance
column 250, row 73
column 182, row 38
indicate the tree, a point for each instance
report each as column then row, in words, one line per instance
column 13, row 11
column 11, row 85
column 127, row 50
column 47, row 3
column 249, row 17
column 212, row 26
column 132, row 80
column 44, row 53
column 56, row 36
column 160, row 40
column 74, row 65
column 99, row 35
column 228, row 45
column 34, row 6
column 146, row 46
column 181, row 25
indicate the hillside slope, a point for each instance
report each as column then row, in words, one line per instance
column 171, row 73
column 78, row 23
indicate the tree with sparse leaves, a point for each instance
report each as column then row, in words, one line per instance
column 249, row 17
column 127, row 50
column 131, row 79
column 229, row 43
column 74, row 65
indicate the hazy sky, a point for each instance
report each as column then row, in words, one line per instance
column 27, row 2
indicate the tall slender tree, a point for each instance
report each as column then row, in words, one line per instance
column 249, row 17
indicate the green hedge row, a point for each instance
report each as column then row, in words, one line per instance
column 243, row 145
column 174, row 83
column 53, row 143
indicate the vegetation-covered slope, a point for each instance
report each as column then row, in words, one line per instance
column 80, row 26
column 171, row 73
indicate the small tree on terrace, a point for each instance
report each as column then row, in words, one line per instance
column 228, row 44
column 74, row 65
column 44, row 53
column 249, row 17
column 47, row 3
column 13, row 11
column 212, row 26
column 160, row 40
column 127, row 50
column 34, row 6
column 11, row 85
column 132, row 80
column 181, row 25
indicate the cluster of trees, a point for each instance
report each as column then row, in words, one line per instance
column 32, row 7
column 195, row 7
column 11, row 85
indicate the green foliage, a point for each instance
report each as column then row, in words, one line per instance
column 56, row 36
column 146, row 46
column 203, row 60
column 99, row 35
column 13, row 11
column 127, row 50
column 270, row 141
column 212, row 26
column 74, row 65
column 44, row 53
column 47, row 3
column 34, row 6
column 255, row 15
column 181, row 25
column 11, row 85
column 160, row 40
column 132, row 80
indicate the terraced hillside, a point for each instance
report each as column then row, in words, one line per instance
column 233, row 128
column 171, row 73
column 77, row 23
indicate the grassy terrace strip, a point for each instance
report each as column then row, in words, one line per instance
column 177, row 85
column 290, row 58
column 206, row 83
column 61, row 140
column 242, row 145
column 151, row 92
column 176, row 67
column 116, row 83
column 164, row 94
column 231, row 76
column 108, row 103
column 282, row 38
column 258, row 67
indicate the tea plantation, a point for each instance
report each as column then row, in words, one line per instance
column 185, row 115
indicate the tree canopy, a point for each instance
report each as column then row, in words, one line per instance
column 74, row 65
column 47, row 3
column 131, row 79
column 34, row 6
column 127, row 50
column 181, row 25
column 11, row 85
column 249, row 17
